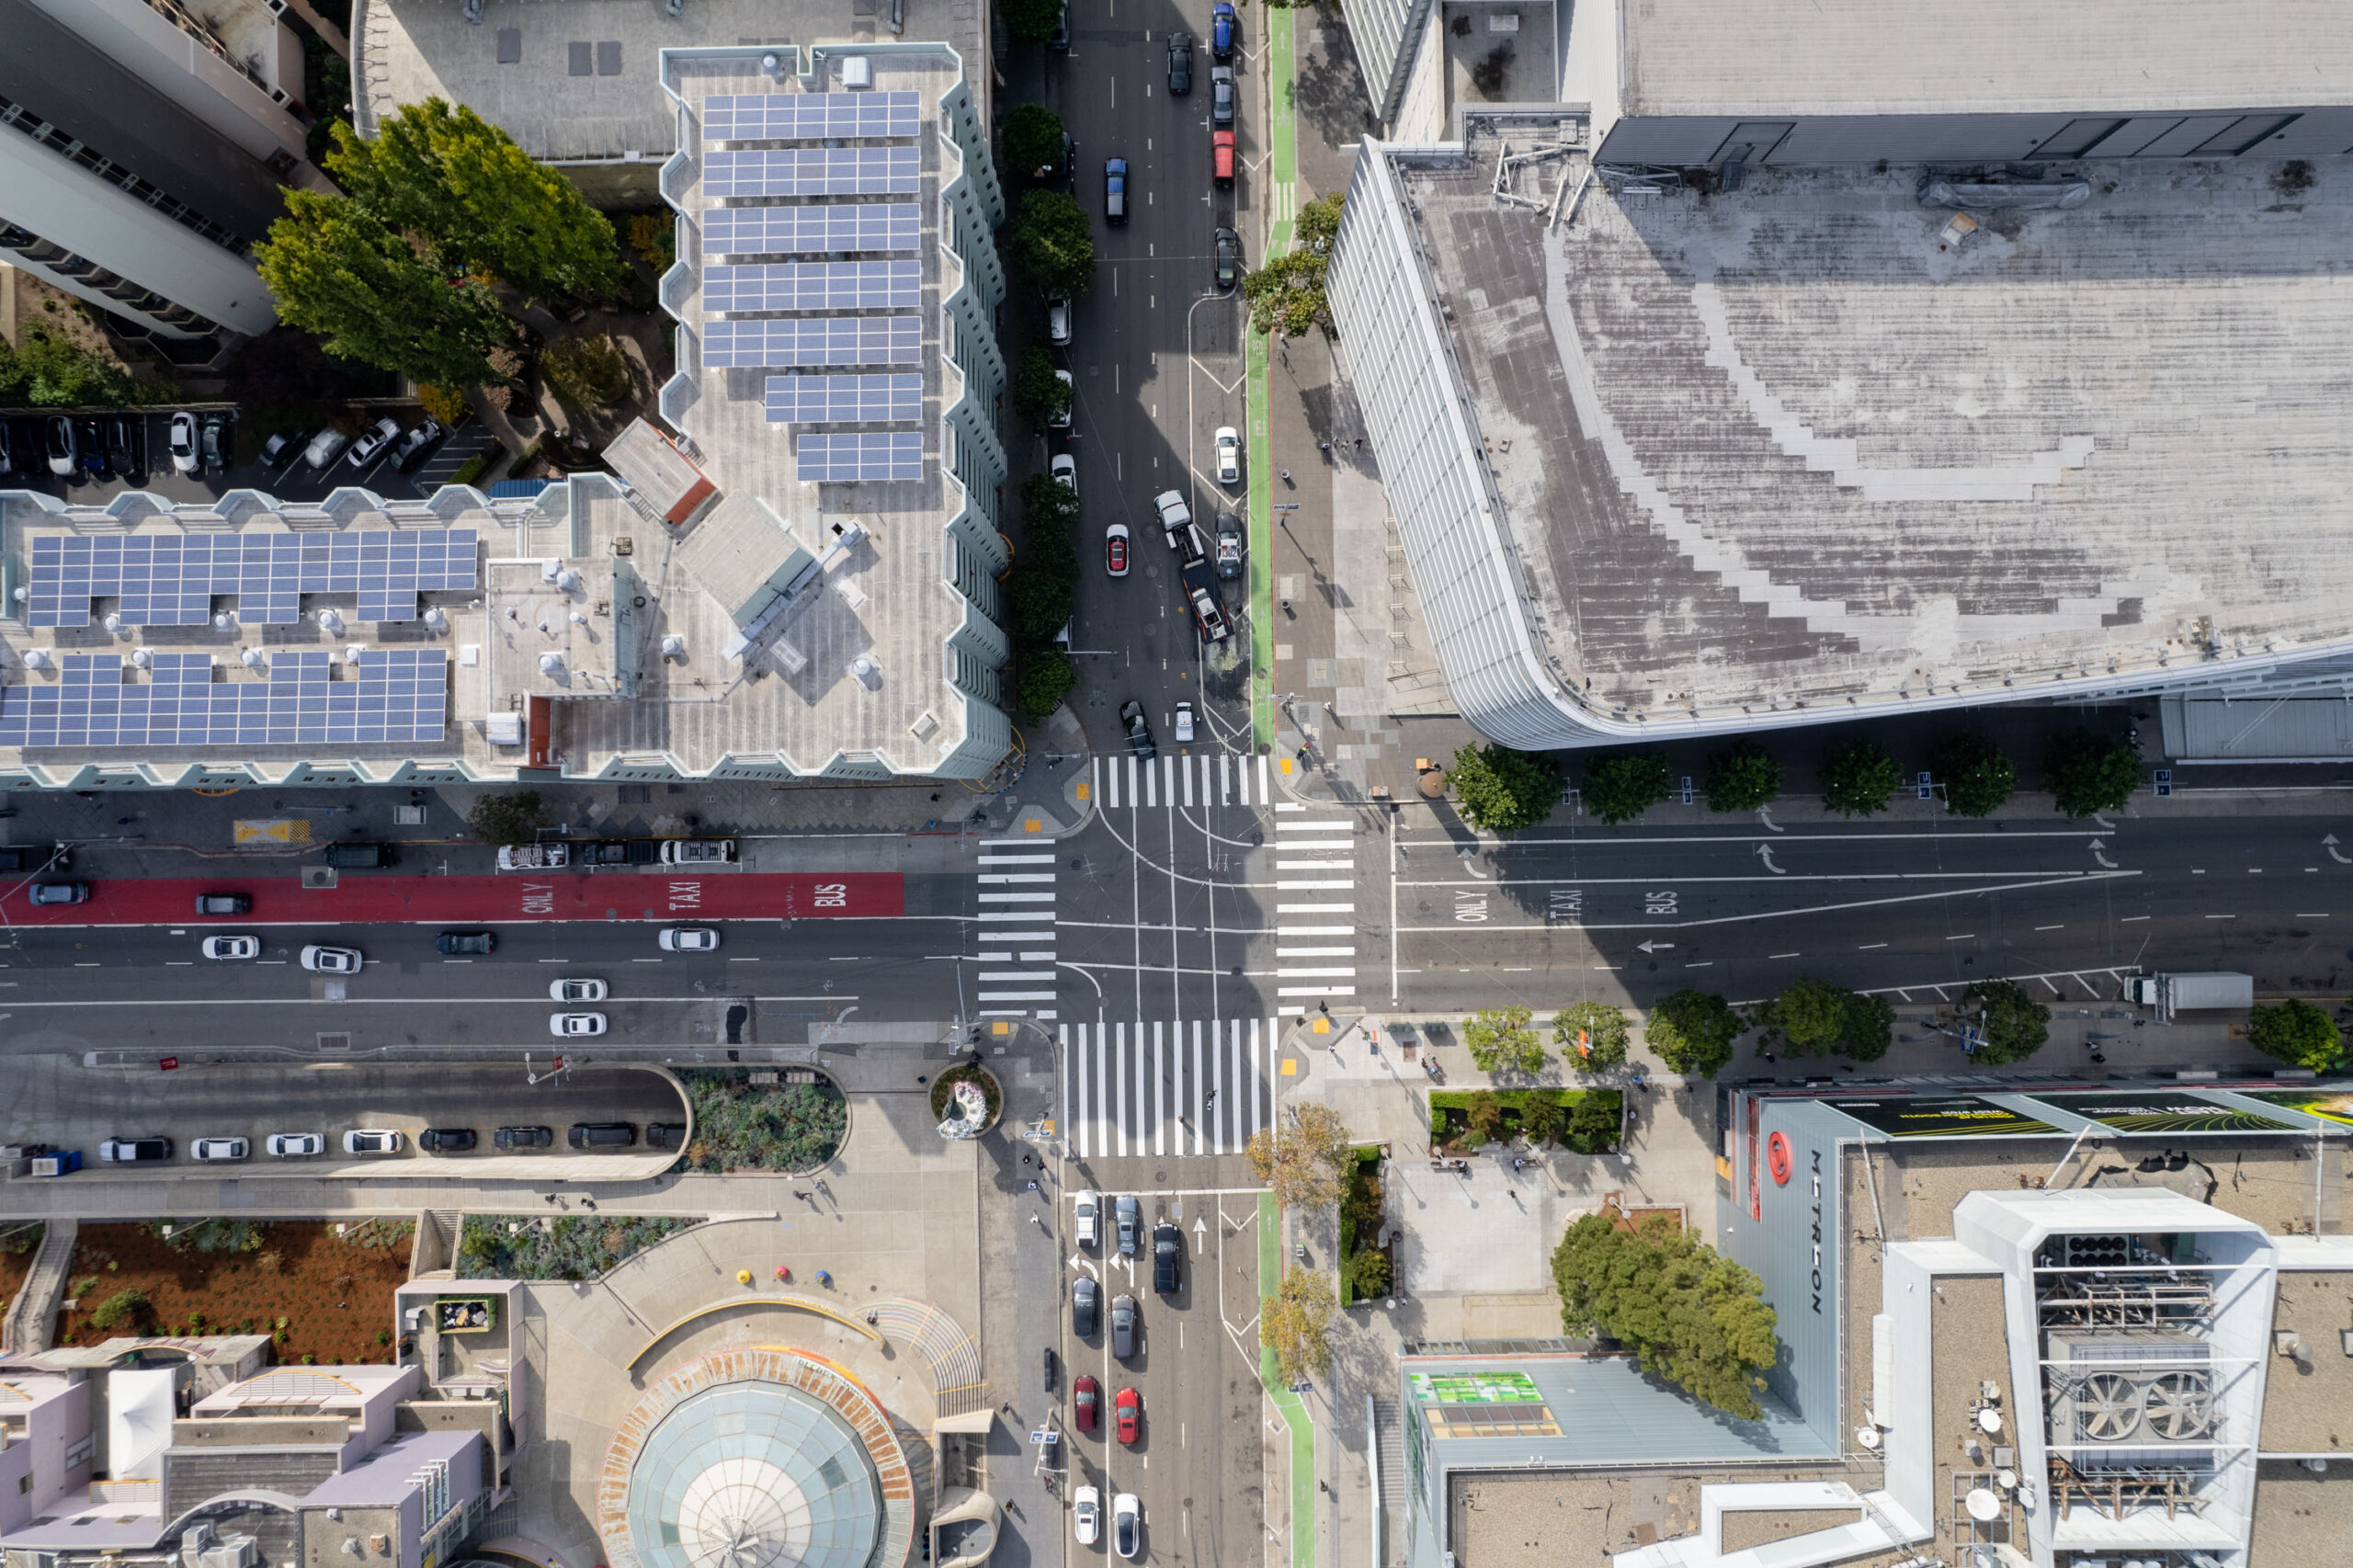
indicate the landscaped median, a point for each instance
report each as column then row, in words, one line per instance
column 1289, row 1406
column 1587, row 1121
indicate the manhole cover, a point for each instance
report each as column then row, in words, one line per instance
column 1160, row 1176
column 335, row 1042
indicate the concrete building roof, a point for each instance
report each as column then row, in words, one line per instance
column 1783, row 448
column 1705, row 57
column 385, row 1476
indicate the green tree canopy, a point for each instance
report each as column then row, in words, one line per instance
column 1976, row 776
column 1319, row 221
column 2015, row 1025
column 1296, row 1325
column 589, row 368
column 1816, row 1017
column 504, row 818
column 1742, row 778
column 1047, row 676
column 1286, row 296
column 1502, row 790
column 336, row 270
column 2087, row 773
column 1694, row 1318
column 2296, row 1033
column 1591, row 1036
column 1305, row 1162
column 1692, row 1032
column 1052, row 245
column 1038, row 395
column 1858, row 778
column 53, row 372
column 1499, row 1041
column 485, row 205
column 1033, row 21
column 1594, row 1122
column 1033, row 142
column 1622, row 786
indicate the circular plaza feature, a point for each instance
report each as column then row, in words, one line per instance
column 766, row 1458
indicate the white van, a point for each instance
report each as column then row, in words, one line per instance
column 697, row 851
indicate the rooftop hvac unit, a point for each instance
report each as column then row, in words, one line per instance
column 2096, row 1251
column 2130, row 1399
column 229, row 1552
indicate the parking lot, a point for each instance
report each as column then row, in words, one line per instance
column 142, row 459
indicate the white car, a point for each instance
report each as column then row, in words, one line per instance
column 1184, row 721
column 377, row 437
column 230, row 947
column 324, row 448
column 1229, row 456
column 576, row 991
column 688, row 940
column 1090, row 1218
column 1127, row 1524
column 1087, row 1515
column 1176, row 517
column 220, row 1149
column 533, row 857
column 1061, row 421
column 183, row 443
column 374, row 1141
column 1064, row 468
column 295, row 1145
column 1058, row 322
column 569, row 1025
column 331, row 960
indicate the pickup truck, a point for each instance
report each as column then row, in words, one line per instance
column 1209, row 610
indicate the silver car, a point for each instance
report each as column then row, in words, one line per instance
column 1123, row 1326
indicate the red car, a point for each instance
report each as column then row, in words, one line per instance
column 1129, row 1405
column 1085, row 1394
column 1115, row 550
column 1222, row 158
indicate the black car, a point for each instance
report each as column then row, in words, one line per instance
column 223, row 903
column 1083, row 1294
column 412, row 447
column 601, row 1135
column 522, row 1138
column 213, row 443
column 1167, row 1256
column 458, row 942
column 12, row 860
column 600, row 852
column 1138, row 730
column 445, row 1140
column 123, row 446
column 1060, row 39
column 1180, row 63
column 284, row 445
column 7, row 452
column 1228, row 250
column 664, row 1134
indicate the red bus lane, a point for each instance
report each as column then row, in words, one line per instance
column 664, row 896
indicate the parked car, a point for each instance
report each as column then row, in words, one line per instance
column 665, row 1134
column 280, row 447
column 212, row 440
column 521, row 1138
column 1061, row 37
column 1230, row 546
column 331, row 960
column 374, row 1141
column 61, row 893
column 372, row 440
column 697, row 851
column 1138, row 730
column 1083, row 1294
column 1174, row 516
column 1184, row 722
column 1229, row 455
column 1115, row 191
column 1127, row 1217
column 151, row 1150
column 1223, row 25
column 325, row 447
column 1167, row 1257
column 1060, row 418
column 1085, row 1396
column 575, row 1026
column 1058, row 322
column 415, row 442
column 1209, row 615
column 1115, row 550
column 1227, row 249
column 1180, row 63
column 1221, row 95
column 606, row 852
column 533, row 857
column 445, row 1140
column 7, row 451
column 222, row 903
column 1221, row 159
column 230, row 946
column 91, row 437
column 12, row 860
column 461, row 942
column 58, row 444
column 576, row 991
column 360, row 857
column 1128, row 1412
column 1064, row 468
column 601, row 1135
column 182, row 441
column 1127, row 1524
column 1087, row 1515
column 1085, row 1207
column 295, row 1145
column 688, row 939
column 125, row 450
column 1123, row 1326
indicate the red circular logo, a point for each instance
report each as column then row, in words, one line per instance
column 1778, row 1159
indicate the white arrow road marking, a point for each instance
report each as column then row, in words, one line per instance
column 1764, row 815
column 1764, row 853
column 2330, row 845
column 1464, row 855
column 1080, row 1260
column 1653, row 947
column 2106, row 864
column 2103, row 821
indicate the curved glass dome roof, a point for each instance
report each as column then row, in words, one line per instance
column 753, row 1475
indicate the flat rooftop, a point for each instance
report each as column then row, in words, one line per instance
column 1784, row 447
column 1987, row 57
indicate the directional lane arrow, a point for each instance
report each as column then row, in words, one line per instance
column 1080, row 1260
column 1764, row 853
column 2329, row 844
column 1764, row 815
column 1200, row 1230
column 2096, row 846
column 1655, row 946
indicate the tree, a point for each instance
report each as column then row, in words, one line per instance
column 485, row 205
column 1286, row 296
column 1033, row 21
column 1591, row 1036
column 1977, row 777
column 2297, row 1033
column 1696, row 1319
column 1483, row 1117
column 589, row 368
column 1318, row 223
column 508, row 818
column 1692, row 1032
column 53, row 371
column 1368, row 1273
column 1038, row 395
column 1858, row 778
column 1541, row 1117
column 1504, row 791
column 1051, row 244
column 338, row 271
column 1500, row 1040
column 2087, row 773
column 1033, row 142
column 1622, row 786
column 1594, row 1123
column 123, row 1307
column 1305, row 1163
column 1742, row 778
column 1816, row 1017
column 1296, row 1325
column 2014, row 1023
column 1047, row 676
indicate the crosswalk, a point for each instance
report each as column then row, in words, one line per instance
column 1167, row 1087
column 1013, row 933
column 1315, row 929
column 1207, row 779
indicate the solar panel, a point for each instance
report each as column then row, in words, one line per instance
column 172, row 579
column 812, row 171
column 811, row 341
column 812, row 286
column 399, row 696
column 891, row 454
column 842, row 400
column 809, row 117
column 792, row 230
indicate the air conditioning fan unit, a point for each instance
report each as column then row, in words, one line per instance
column 2130, row 1398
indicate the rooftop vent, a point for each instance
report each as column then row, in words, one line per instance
column 858, row 71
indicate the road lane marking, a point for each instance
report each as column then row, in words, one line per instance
column 1867, row 947
column 1305, row 885
column 1315, row 909
column 2058, row 927
column 1966, row 937
column 1015, row 860
column 1784, row 955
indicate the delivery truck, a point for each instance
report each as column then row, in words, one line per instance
column 2208, row 993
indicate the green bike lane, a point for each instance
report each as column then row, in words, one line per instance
column 1282, row 206
column 1289, row 1406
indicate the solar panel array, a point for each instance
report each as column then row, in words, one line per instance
column 811, row 341
column 808, row 117
column 171, row 579
column 842, row 400
column 891, row 454
column 813, row 286
column 812, row 171
column 798, row 230
column 400, row 697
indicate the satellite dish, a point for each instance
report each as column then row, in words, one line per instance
column 1867, row 1438
column 2006, row 1480
column 1984, row 1506
column 1989, row 1420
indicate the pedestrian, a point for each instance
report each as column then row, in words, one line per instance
column 1033, row 1184
column 551, row 1198
column 1326, row 447
column 1212, row 1100
column 1324, row 1008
